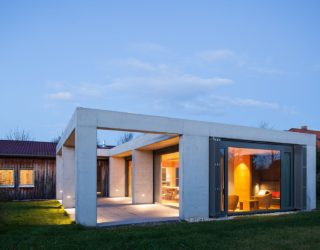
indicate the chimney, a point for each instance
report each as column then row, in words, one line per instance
column 304, row 127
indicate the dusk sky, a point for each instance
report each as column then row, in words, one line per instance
column 236, row 62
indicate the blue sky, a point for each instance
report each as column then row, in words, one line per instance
column 238, row 62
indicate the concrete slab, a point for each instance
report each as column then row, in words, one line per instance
column 120, row 211
column 71, row 213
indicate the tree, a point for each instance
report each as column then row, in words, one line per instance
column 19, row 135
column 125, row 137
column 56, row 139
column 265, row 125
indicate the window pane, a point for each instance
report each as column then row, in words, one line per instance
column 253, row 179
column 6, row 177
column 170, row 179
column 26, row 177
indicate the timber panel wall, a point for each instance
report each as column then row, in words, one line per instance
column 44, row 179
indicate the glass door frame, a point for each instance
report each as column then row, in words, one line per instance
column 218, row 151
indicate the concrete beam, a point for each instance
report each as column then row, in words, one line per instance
column 156, row 124
column 194, row 176
column 86, row 175
column 142, row 177
column 136, row 143
column 68, row 183
column 116, row 177
column 104, row 119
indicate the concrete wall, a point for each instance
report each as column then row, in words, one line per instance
column 59, row 177
column 142, row 177
column 117, row 177
column 86, row 175
column 311, row 177
column 194, row 176
column 68, row 181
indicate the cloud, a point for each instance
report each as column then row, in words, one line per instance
column 136, row 85
column 266, row 70
column 147, row 47
column 217, row 55
column 247, row 102
column 63, row 96
column 242, row 61
column 220, row 104
column 136, row 64
column 168, row 85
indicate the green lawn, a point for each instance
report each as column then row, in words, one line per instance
column 33, row 225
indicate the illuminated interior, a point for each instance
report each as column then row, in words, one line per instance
column 6, row 177
column 170, row 179
column 253, row 179
column 26, row 178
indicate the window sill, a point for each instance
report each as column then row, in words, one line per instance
column 26, row 186
column 8, row 186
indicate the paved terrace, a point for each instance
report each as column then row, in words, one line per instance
column 120, row 211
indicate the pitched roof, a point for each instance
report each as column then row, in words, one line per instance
column 27, row 148
column 307, row 131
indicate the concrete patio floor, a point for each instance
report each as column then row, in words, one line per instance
column 120, row 211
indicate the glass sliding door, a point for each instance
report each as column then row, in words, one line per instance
column 254, row 179
column 250, row 177
column 169, row 179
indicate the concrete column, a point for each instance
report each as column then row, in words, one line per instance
column 68, row 183
column 194, row 177
column 59, row 177
column 117, row 177
column 311, row 177
column 142, row 177
column 86, row 175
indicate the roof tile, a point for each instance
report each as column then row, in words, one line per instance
column 27, row 148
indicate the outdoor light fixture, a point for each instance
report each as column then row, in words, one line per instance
column 68, row 196
column 61, row 191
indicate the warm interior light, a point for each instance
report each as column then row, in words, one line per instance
column 142, row 195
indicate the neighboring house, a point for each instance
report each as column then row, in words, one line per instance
column 305, row 130
column 27, row 170
column 205, row 169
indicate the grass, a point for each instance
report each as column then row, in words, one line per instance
column 44, row 225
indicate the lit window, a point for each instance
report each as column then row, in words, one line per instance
column 26, row 178
column 6, row 178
